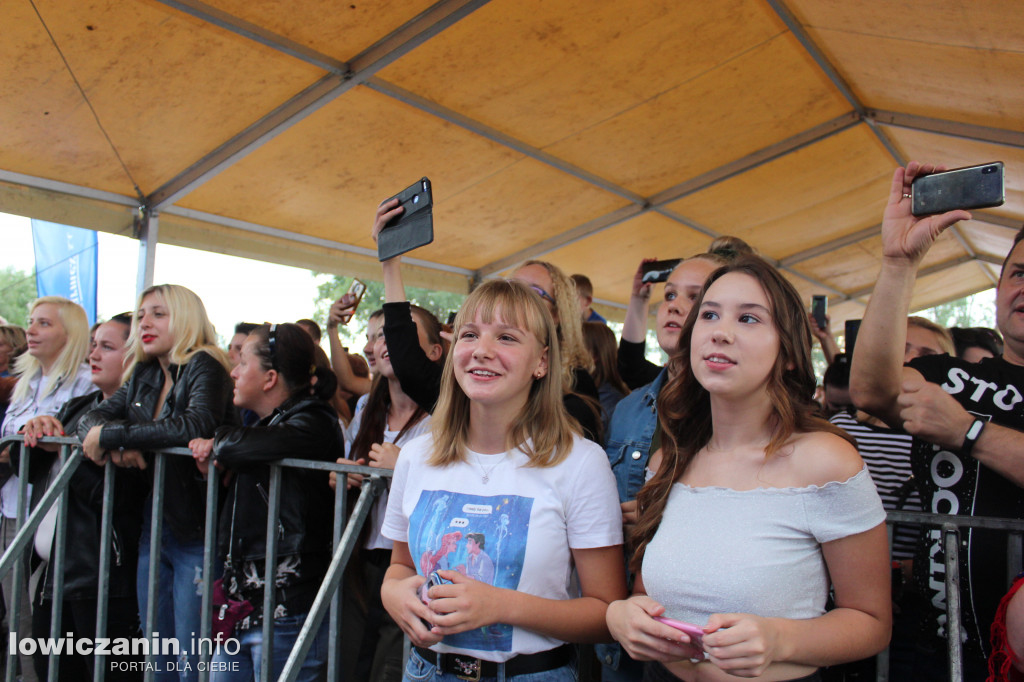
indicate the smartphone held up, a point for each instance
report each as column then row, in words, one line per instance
column 960, row 188
column 413, row 227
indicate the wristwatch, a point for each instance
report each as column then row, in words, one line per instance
column 973, row 433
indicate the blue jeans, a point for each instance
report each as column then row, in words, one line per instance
column 245, row 665
column 179, row 601
column 419, row 670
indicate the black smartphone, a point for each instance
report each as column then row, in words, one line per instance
column 972, row 187
column 412, row 228
column 819, row 308
column 451, row 318
column 658, row 270
column 852, row 328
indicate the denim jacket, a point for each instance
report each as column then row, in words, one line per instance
column 630, row 435
column 628, row 447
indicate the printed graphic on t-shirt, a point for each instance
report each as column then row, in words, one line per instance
column 953, row 483
column 483, row 538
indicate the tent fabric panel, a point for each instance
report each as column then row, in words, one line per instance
column 365, row 147
column 341, row 30
column 815, row 194
column 756, row 100
column 48, row 131
column 962, row 23
column 326, row 176
column 855, row 267
column 610, row 257
column 581, row 63
column 522, row 205
column 167, row 87
column 994, row 241
column 949, row 285
column 917, row 76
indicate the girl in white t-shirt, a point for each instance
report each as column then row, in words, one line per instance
column 498, row 505
column 756, row 507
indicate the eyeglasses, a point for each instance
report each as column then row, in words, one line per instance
column 543, row 294
column 272, row 342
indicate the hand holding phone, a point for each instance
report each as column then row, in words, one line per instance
column 659, row 270
column 433, row 580
column 355, row 295
column 412, row 227
column 695, row 632
column 819, row 308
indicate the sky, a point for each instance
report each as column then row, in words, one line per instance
column 233, row 289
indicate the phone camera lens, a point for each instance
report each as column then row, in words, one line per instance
column 989, row 169
column 416, row 199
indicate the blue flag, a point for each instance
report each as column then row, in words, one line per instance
column 66, row 263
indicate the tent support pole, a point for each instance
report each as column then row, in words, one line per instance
column 147, row 230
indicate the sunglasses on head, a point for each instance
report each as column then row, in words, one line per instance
column 543, row 294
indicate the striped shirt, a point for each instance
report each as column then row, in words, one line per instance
column 887, row 455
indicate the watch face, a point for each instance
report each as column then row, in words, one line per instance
column 975, row 430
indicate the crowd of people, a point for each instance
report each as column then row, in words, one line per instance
column 700, row 520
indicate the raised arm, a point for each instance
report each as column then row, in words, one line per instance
column 634, row 327
column 394, row 290
column 875, row 375
column 347, row 379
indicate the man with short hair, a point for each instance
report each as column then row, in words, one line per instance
column 311, row 328
column 585, row 295
column 242, row 330
column 966, row 419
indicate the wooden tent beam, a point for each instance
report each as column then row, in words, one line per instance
column 385, row 51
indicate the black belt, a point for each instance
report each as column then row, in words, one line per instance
column 469, row 668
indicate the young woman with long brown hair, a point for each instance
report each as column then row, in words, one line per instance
column 756, row 507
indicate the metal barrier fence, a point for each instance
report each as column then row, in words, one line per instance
column 345, row 535
column 328, row 597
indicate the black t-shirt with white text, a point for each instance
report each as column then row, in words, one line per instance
column 951, row 483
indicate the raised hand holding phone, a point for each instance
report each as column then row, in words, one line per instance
column 906, row 237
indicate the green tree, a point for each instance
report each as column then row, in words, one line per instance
column 17, row 290
column 441, row 303
column 977, row 310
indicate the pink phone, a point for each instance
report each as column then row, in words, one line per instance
column 695, row 632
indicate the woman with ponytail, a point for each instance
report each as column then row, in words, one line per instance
column 280, row 379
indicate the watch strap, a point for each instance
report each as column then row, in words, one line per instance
column 972, row 436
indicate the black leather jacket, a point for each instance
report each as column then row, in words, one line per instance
column 199, row 402
column 85, row 507
column 302, row 428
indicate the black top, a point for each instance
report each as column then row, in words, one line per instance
column 418, row 375
column 199, row 402
column 301, row 428
column 952, row 483
column 85, row 508
column 635, row 369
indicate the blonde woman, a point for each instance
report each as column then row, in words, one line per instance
column 178, row 388
column 51, row 372
column 498, row 505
